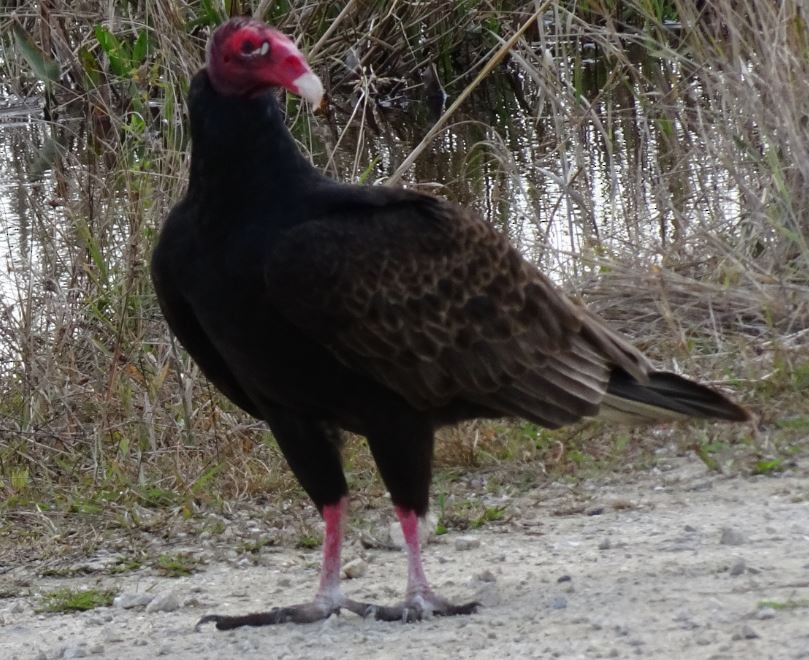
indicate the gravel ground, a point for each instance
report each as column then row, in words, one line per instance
column 675, row 563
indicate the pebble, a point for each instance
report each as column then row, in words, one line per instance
column 128, row 600
column 606, row 544
column 558, row 603
column 100, row 563
column 467, row 542
column 686, row 620
column 732, row 536
column 486, row 576
column 356, row 568
column 564, row 578
column 765, row 613
column 111, row 635
column 738, row 567
column 165, row 602
column 748, row 632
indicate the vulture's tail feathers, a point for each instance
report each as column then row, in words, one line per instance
column 665, row 396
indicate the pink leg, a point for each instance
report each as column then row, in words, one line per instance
column 420, row 600
column 329, row 598
column 333, row 515
column 416, row 579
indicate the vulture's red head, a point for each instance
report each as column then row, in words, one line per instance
column 246, row 57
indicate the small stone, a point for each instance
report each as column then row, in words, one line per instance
column 74, row 652
column 738, row 567
column 606, row 544
column 467, row 542
column 748, row 632
column 765, row 613
column 486, row 576
column 165, row 602
column 284, row 582
column 686, row 620
column 97, row 649
column 356, row 568
column 564, row 578
column 732, row 536
column 558, row 603
column 126, row 601
column 689, row 528
column 396, row 535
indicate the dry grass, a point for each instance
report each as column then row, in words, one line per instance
column 659, row 174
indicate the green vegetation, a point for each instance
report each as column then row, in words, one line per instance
column 176, row 565
column 308, row 542
column 76, row 600
column 658, row 171
column 784, row 604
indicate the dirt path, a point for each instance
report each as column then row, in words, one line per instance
column 675, row 563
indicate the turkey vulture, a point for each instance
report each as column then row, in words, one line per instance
column 322, row 307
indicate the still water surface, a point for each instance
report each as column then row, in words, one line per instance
column 564, row 185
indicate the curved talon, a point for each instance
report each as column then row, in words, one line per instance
column 275, row 615
column 208, row 618
column 458, row 610
column 410, row 611
column 363, row 610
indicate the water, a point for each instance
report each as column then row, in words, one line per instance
column 570, row 179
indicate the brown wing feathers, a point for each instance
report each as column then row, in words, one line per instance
column 466, row 316
column 425, row 297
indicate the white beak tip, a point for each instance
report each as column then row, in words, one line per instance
column 309, row 87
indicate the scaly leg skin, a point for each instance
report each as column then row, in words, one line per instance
column 329, row 598
column 420, row 600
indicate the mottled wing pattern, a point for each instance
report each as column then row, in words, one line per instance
column 428, row 299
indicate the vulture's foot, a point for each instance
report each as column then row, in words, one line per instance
column 317, row 610
column 422, row 606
